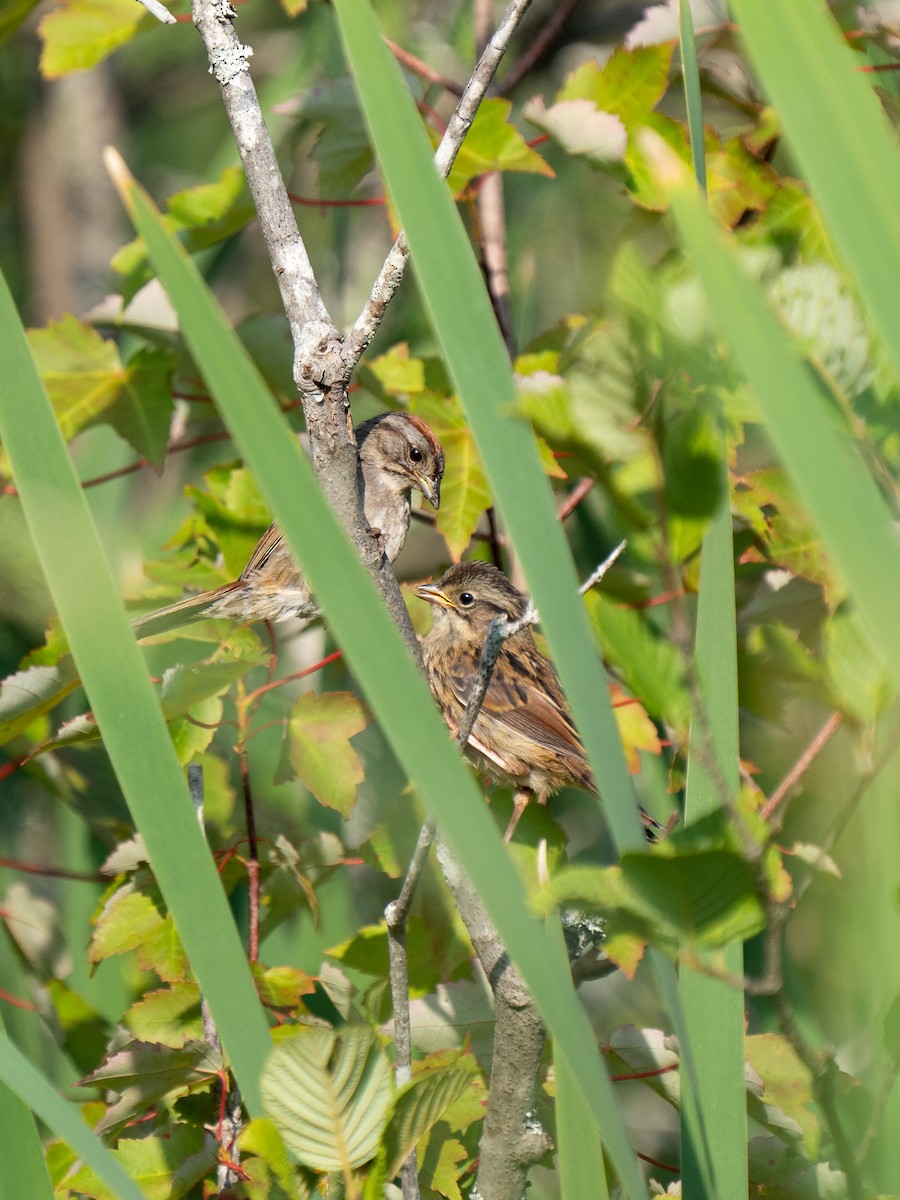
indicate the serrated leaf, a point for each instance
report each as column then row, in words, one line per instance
column 166, row 1165
column 320, row 729
column 166, row 1016
column 142, row 413
column 394, row 373
column 419, row 1105
column 630, row 85
column 342, row 147
column 282, row 987
column 81, row 33
column 29, row 694
column 328, row 1093
column 494, row 144
column 144, row 1072
column 129, row 920
column 465, row 493
column 433, row 955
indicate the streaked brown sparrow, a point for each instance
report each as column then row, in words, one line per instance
column 397, row 452
column 523, row 736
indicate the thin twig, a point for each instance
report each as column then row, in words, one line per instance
column 597, row 574
column 231, row 1119
column 770, row 810
column 159, row 11
column 575, row 497
column 369, row 320
column 537, row 48
column 422, row 69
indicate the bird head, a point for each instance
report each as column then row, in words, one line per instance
column 400, row 451
column 470, row 596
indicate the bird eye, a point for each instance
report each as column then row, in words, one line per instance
column 415, row 454
column 466, row 599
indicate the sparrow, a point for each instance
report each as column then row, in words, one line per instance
column 524, row 736
column 397, row 452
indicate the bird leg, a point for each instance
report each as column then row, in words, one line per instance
column 520, row 803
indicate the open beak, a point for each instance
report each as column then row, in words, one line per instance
column 430, row 489
column 433, row 594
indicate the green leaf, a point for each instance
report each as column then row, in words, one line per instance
column 29, row 694
column 185, row 686
column 342, row 148
column 282, row 987
column 649, row 664
column 493, row 144
column 203, row 216
column 166, row 1165
column 129, row 920
column 260, row 1137
column 143, row 1072
column 81, row 33
column 465, row 493
column 630, row 85
column 320, row 730
column 328, row 1094
column 705, row 897
column 82, row 371
column 169, row 1016
column 142, row 412
column 419, row 1105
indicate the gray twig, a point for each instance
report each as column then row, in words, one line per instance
column 232, row 1121
column 391, row 274
column 159, row 11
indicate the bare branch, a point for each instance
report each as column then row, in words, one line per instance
column 159, row 11
column 770, row 810
column 369, row 320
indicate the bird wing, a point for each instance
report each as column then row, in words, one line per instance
column 522, row 705
column 265, row 548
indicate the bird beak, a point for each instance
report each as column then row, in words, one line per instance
column 430, row 489
column 433, row 594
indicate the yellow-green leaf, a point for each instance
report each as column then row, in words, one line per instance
column 80, row 33
column 320, row 750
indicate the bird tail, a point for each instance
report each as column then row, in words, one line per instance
column 182, row 612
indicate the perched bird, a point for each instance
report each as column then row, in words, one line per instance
column 397, row 452
column 523, row 736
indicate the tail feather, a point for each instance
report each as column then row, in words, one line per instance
column 182, row 612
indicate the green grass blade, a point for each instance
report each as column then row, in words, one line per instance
column 832, row 480
column 713, row 1012
column 692, row 95
column 453, row 289
column 582, row 1174
column 381, row 663
column 24, row 1171
column 839, row 135
column 20, row 1077
column 126, row 708
column 461, row 316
